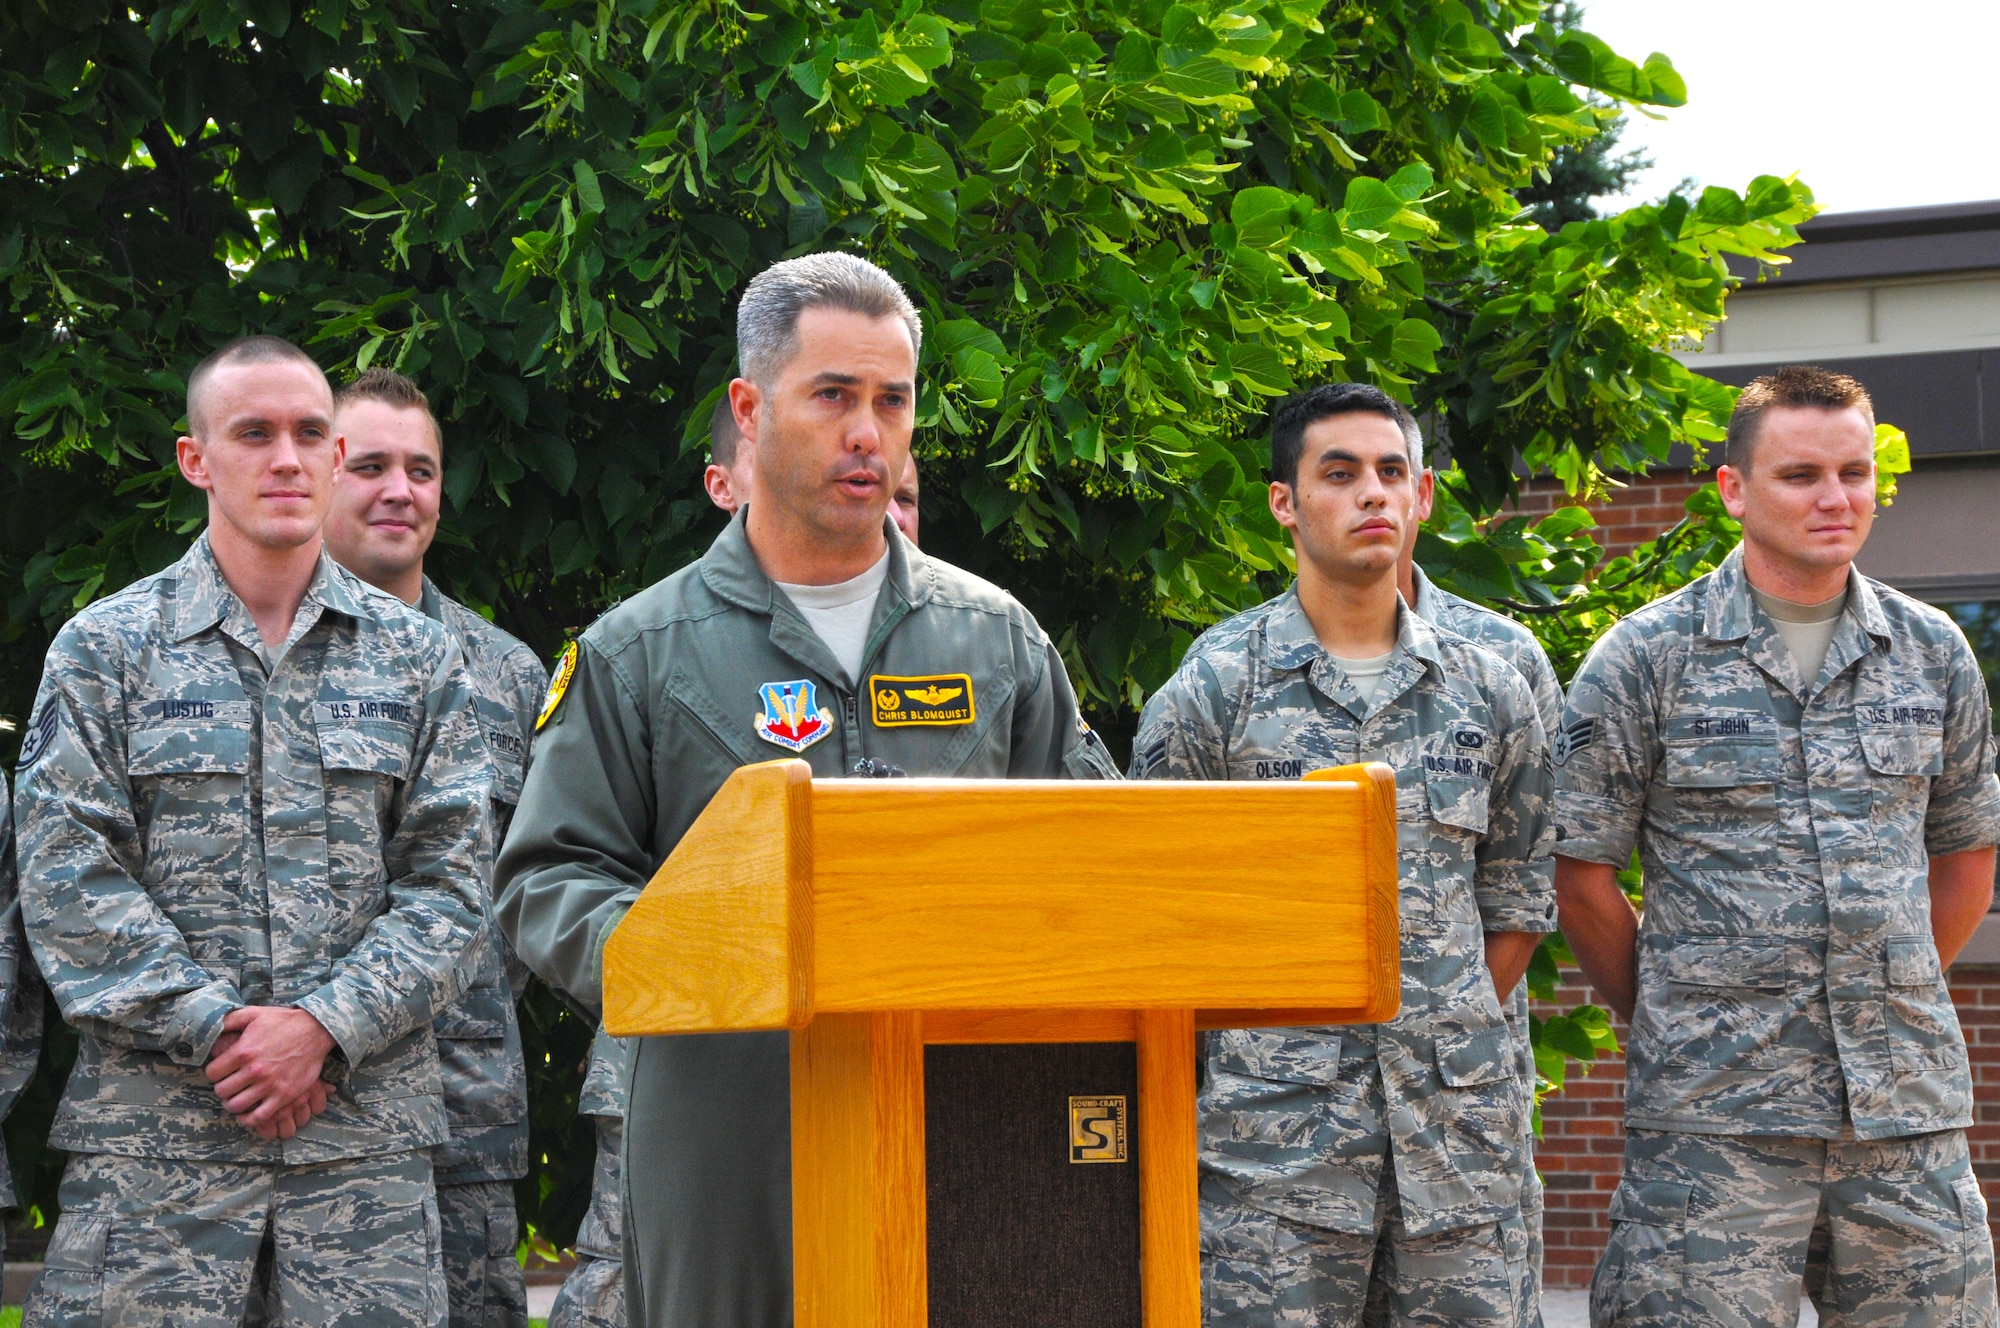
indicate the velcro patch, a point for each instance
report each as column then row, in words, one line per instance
column 940, row 699
column 41, row 733
column 356, row 709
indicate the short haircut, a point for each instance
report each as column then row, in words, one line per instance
column 391, row 389
column 723, row 435
column 767, row 320
column 1299, row 412
column 1796, row 385
column 244, row 350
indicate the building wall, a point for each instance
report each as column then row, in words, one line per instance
column 1583, row 1128
column 1647, row 505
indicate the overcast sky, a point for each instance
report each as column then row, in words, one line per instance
column 1875, row 105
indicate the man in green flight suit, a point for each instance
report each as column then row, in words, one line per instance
column 785, row 639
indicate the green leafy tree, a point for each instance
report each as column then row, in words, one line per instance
column 1129, row 226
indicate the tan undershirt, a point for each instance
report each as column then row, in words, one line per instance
column 1365, row 674
column 1807, row 629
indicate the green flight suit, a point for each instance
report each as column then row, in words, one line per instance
column 707, row 671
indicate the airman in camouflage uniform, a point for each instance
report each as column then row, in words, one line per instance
column 1329, row 1152
column 479, row 1038
column 20, row 993
column 1517, row 645
column 1797, row 1086
column 383, row 519
column 593, row 1295
column 220, row 834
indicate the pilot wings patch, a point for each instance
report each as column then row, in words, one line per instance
column 940, row 699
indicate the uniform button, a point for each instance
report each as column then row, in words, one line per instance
column 184, row 1049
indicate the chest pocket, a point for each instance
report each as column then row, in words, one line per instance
column 364, row 766
column 1902, row 746
column 1723, row 795
column 189, row 796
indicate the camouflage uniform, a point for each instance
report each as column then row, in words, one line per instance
column 663, row 707
column 1324, row 1150
column 1796, row 1083
column 206, row 823
column 479, row 1038
column 593, row 1295
column 1518, row 646
column 20, row 995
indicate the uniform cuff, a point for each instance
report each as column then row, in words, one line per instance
column 1592, row 829
column 1967, row 821
column 357, row 1034
column 196, row 1022
column 1524, row 902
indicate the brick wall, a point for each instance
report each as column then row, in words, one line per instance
column 1633, row 515
column 1583, row 1130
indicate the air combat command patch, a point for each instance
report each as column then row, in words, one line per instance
column 565, row 670
column 939, row 699
column 792, row 715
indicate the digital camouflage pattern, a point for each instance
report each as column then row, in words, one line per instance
column 663, row 706
column 1787, row 975
column 478, row 1234
column 1262, row 1271
column 1518, row 646
column 1711, row 1229
column 20, row 993
column 205, row 823
column 479, row 1037
column 603, row 1092
column 593, row 1295
column 155, row 1241
column 1290, row 1124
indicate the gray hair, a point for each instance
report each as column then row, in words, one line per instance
column 767, row 321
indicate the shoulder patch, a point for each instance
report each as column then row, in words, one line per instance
column 558, row 684
column 939, row 699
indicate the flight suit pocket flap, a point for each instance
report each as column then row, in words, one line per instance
column 1652, row 1203
column 1903, row 751
column 216, row 747
column 1729, row 962
column 383, row 751
column 1459, row 801
column 1913, row 962
column 1718, row 762
column 1468, row 1059
column 78, row 1242
column 1290, row 1056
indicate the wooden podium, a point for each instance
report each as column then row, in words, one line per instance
column 874, row 916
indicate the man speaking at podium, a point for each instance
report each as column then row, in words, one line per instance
column 812, row 629
column 1328, row 1154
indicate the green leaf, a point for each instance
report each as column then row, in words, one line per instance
column 1416, row 343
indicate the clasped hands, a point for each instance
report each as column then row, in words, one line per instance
column 266, row 1068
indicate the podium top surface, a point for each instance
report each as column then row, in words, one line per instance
column 791, row 896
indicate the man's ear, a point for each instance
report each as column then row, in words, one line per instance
column 1729, row 483
column 746, row 400
column 193, row 464
column 1282, row 499
column 1426, row 493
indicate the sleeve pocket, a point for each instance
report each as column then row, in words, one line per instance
column 1465, row 1060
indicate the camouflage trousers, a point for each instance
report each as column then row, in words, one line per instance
column 593, row 1295
column 482, row 1277
column 144, row 1242
column 1262, row 1271
column 1733, row 1229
